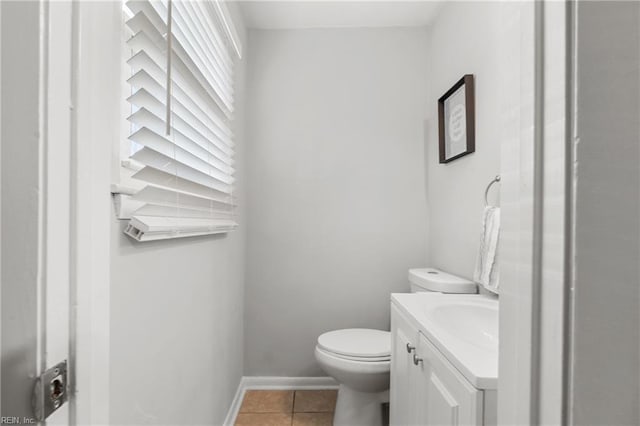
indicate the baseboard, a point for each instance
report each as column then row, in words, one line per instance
column 235, row 404
column 286, row 383
column 274, row 383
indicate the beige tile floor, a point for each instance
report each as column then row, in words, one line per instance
column 287, row 408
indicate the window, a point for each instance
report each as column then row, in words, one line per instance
column 181, row 103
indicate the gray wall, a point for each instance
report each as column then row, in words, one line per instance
column 465, row 38
column 606, row 362
column 176, row 329
column 335, row 165
column 20, row 188
column 177, row 317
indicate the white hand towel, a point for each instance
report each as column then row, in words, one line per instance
column 486, row 272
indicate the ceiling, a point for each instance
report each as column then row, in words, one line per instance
column 299, row 14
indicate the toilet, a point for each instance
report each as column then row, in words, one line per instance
column 359, row 359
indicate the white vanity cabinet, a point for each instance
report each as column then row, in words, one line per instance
column 426, row 389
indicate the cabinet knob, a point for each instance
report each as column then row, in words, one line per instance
column 410, row 348
column 416, row 360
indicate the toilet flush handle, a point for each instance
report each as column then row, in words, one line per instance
column 410, row 348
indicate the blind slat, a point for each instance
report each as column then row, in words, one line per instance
column 146, row 9
column 150, row 157
column 192, row 59
column 146, row 19
column 193, row 40
column 142, row 80
column 178, row 184
column 145, row 118
column 141, row 42
column 143, row 99
column 182, row 124
column 226, row 23
column 209, row 38
column 206, row 22
column 149, row 38
column 167, row 197
column 181, row 211
column 142, row 61
column 148, row 138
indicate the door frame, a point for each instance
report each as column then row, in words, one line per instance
column 554, row 237
column 94, row 113
column 536, row 298
column 92, row 138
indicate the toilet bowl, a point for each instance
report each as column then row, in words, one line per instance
column 359, row 359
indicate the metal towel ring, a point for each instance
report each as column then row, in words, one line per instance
column 486, row 191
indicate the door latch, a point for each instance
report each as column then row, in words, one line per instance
column 50, row 391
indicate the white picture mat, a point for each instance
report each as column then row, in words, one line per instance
column 455, row 123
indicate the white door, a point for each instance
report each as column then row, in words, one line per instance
column 35, row 163
column 402, row 396
column 446, row 398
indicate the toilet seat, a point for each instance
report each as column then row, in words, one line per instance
column 357, row 344
column 350, row 365
column 355, row 358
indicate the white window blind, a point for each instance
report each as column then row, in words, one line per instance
column 182, row 57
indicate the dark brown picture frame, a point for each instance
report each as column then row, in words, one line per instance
column 466, row 81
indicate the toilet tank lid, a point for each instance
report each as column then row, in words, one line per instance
column 432, row 279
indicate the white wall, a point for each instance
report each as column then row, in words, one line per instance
column 466, row 38
column 177, row 317
column 516, row 231
column 335, row 164
column 493, row 41
column 607, row 229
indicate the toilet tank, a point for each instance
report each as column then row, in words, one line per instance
column 431, row 279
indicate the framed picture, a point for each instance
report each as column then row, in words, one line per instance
column 456, row 120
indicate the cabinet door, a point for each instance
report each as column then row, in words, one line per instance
column 445, row 397
column 402, row 397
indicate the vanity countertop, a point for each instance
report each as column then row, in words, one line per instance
column 464, row 327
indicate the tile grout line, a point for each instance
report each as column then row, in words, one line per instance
column 292, row 410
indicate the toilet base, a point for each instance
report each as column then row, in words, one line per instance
column 355, row 408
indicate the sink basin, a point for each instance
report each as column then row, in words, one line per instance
column 464, row 328
column 473, row 321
